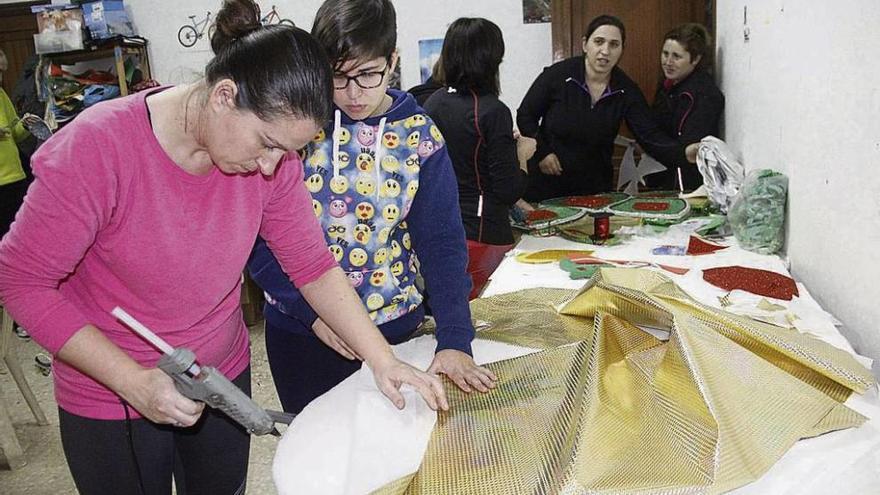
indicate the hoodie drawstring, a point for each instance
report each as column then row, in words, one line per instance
column 337, row 122
column 377, row 160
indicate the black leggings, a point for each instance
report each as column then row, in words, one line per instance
column 303, row 367
column 11, row 197
column 210, row 457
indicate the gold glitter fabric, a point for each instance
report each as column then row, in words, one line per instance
column 622, row 411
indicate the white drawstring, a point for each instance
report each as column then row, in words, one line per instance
column 337, row 121
column 377, row 161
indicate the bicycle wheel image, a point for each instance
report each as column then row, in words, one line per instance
column 187, row 36
column 287, row 22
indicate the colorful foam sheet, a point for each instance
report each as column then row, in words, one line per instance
column 653, row 208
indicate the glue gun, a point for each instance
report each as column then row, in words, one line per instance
column 207, row 384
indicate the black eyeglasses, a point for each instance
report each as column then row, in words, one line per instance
column 364, row 80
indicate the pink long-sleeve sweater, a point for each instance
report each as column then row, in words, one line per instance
column 112, row 221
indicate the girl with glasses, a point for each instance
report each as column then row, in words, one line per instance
column 380, row 170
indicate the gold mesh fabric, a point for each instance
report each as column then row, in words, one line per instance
column 620, row 411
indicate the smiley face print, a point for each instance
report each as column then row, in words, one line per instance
column 357, row 257
column 343, row 136
column 390, row 213
column 375, row 301
column 413, row 139
column 364, row 210
column 336, row 251
column 436, row 134
column 383, row 234
column 391, row 140
column 365, row 134
column 415, row 121
column 426, row 148
column 378, row 278
column 380, row 256
column 412, row 163
column 339, row 184
column 390, row 164
column 336, row 231
column 365, row 162
column 365, row 185
column 342, row 159
column 337, row 207
column 397, row 269
column 412, row 188
column 390, row 188
column 314, row 183
column 362, row 234
column 355, row 278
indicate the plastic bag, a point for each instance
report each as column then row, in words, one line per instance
column 722, row 173
column 757, row 215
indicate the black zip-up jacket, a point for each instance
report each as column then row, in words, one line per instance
column 559, row 112
column 689, row 111
column 479, row 138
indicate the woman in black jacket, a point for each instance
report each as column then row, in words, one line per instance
column 687, row 104
column 574, row 110
column 479, row 134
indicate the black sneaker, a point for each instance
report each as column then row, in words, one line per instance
column 21, row 333
column 43, row 363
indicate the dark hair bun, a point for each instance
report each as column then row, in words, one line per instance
column 236, row 19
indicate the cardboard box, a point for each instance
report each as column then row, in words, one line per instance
column 57, row 19
column 58, row 41
column 106, row 19
column 59, row 28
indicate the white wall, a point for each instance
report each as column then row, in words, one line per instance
column 802, row 98
column 528, row 47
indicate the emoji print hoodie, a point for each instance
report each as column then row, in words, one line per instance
column 385, row 194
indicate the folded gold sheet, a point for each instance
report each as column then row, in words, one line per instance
column 610, row 408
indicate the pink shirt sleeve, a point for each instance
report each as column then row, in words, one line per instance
column 62, row 213
column 291, row 229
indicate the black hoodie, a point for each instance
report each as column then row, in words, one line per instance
column 689, row 111
column 560, row 113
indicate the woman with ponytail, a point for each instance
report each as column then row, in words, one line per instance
column 479, row 132
column 152, row 203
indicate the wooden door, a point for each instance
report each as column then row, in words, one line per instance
column 646, row 22
column 17, row 28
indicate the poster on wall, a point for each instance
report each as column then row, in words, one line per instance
column 429, row 54
column 394, row 77
column 535, row 11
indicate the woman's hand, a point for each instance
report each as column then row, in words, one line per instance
column 463, row 371
column 152, row 393
column 390, row 374
column 525, row 148
column 30, row 119
column 330, row 338
column 691, row 152
column 550, row 165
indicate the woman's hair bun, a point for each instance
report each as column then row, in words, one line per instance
column 235, row 19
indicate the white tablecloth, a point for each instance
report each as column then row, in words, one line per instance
column 352, row 440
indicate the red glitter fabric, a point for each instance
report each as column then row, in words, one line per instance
column 697, row 246
column 587, row 201
column 761, row 282
column 651, row 206
column 540, row 216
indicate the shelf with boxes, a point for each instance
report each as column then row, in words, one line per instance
column 88, row 53
column 68, row 88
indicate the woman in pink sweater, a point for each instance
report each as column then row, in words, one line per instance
column 152, row 203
